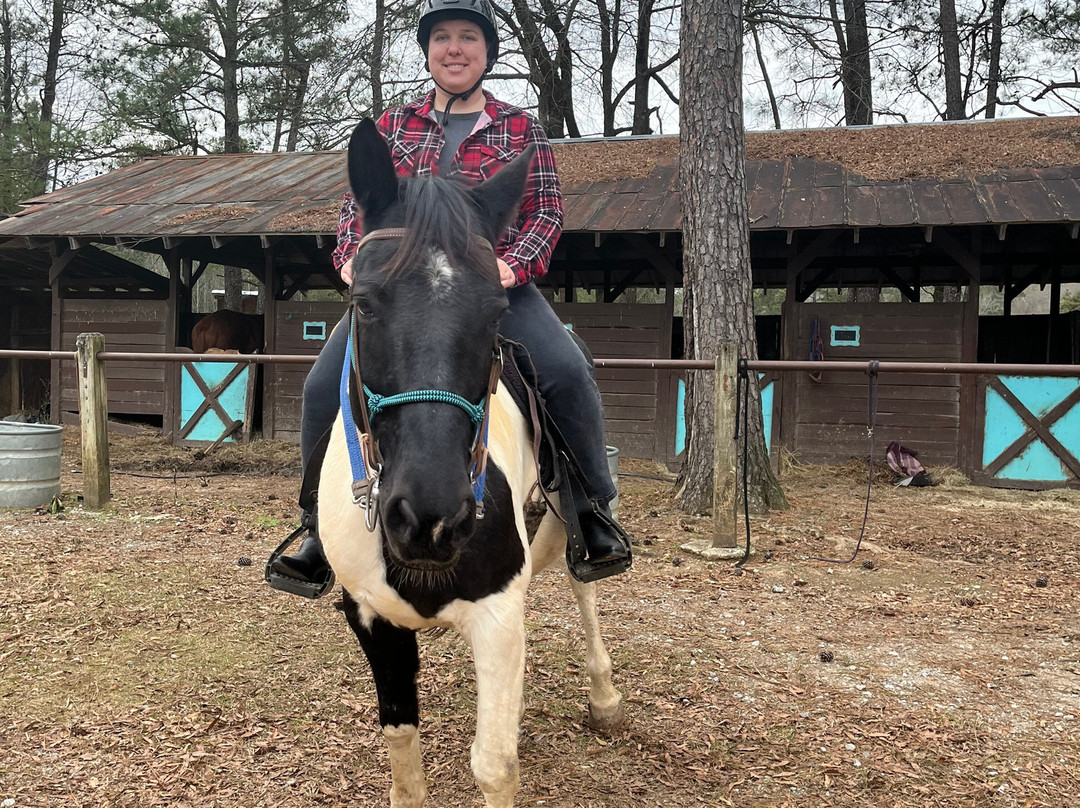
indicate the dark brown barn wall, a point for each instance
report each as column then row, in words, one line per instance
column 24, row 325
column 630, row 395
column 921, row 411
column 135, row 388
column 285, row 383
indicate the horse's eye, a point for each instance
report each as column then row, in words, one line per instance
column 496, row 315
column 364, row 307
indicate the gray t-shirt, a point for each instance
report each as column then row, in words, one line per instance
column 456, row 127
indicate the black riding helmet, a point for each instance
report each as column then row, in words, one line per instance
column 478, row 11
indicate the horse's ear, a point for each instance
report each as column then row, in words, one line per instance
column 498, row 198
column 372, row 178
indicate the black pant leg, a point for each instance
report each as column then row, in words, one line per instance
column 565, row 380
column 321, row 390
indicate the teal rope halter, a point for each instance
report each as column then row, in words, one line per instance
column 377, row 403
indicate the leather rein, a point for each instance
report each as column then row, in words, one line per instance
column 364, row 455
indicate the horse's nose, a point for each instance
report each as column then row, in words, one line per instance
column 425, row 532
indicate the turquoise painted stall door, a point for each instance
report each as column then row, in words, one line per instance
column 1031, row 430
column 766, row 387
column 213, row 397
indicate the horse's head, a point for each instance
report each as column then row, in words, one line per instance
column 428, row 303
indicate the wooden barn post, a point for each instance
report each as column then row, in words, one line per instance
column 725, row 497
column 93, row 419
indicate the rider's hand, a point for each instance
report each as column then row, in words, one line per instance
column 506, row 275
column 346, row 272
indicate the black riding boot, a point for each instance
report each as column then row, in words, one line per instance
column 596, row 545
column 602, row 535
column 306, row 573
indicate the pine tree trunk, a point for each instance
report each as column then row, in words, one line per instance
column 10, row 196
column 43, row 146
column 716, row 239
column 609, row 41
column 950, row 57
column 641, row 69
column 993, row 69
column 864, row 294
column 228, row 28
column 853, row 42
column 234, row 289
column 375, row 61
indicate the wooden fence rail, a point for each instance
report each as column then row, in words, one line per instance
column 91, row 357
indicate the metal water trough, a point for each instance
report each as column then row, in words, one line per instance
column 613, row 470
column 29, row 464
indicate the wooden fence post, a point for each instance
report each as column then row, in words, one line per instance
column 725, row 498
column 93, row 420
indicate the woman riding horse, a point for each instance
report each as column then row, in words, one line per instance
column 458, row 128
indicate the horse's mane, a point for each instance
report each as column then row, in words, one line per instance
column 440, row 215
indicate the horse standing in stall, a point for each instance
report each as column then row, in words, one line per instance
column 421, row 528
column 227, row 330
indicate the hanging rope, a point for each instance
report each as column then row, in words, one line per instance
column 871, row 422
column 742, row 417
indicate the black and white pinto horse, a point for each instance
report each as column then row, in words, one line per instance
column 425, row 552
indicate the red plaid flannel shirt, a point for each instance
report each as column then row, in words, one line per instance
column 502, row 132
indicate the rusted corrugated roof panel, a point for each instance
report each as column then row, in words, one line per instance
column 929, row 202
column 1066, row 195
column 862, row 206
column 876, row 176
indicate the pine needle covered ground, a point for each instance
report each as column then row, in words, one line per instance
column 145, row 663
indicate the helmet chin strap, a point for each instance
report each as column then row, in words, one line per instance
column 455, row 96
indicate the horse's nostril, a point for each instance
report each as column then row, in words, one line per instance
column 403, row 517
column 464, row 521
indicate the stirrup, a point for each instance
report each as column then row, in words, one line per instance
column 294, row 586
column 577, row 560
column 581, row 567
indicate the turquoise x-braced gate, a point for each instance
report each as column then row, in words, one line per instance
column 1031, row 430
column 216, row 402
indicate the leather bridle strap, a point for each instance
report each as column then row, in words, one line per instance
column 369, row 449
column 479, row 451
column 381, row 234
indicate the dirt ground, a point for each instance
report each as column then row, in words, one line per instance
column 144, row 662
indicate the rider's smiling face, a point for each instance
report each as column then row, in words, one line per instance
column 457, row 55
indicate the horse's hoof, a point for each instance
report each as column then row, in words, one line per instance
column 608, row 720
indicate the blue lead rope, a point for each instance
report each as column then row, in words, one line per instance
column 352, row 439
column 377, row 403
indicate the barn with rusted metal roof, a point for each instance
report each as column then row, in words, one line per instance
column 907, row 207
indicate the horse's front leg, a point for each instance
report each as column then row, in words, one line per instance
column 606, row 711
column 496, row 634
column 395, row 662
